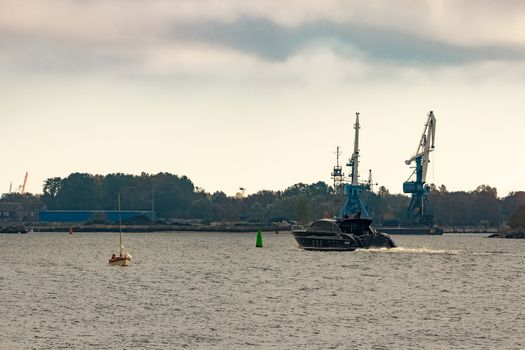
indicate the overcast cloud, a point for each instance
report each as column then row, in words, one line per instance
column 217, row 76
column 76, row 35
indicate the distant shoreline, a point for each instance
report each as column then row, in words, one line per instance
column 20, row 227
column 141, row 228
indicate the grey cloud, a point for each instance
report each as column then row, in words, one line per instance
column 271, row 41
column 46, row 55
column 255, row 36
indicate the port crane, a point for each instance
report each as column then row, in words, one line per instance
column 22, row 188
column 354, row 205
column 419, row 211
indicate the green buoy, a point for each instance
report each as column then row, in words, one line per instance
column 259, row 241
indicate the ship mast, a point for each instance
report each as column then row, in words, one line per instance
column 354, row 160
column 337, row 173
column 354, row 205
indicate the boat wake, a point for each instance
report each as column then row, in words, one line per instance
column 401, row 250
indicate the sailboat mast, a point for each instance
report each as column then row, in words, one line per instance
column 120, row 224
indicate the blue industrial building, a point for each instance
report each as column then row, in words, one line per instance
column 84, row 216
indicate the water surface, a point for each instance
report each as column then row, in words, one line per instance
column 217, row 291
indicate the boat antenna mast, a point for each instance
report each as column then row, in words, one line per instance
column 337, row 174
column 354, row 205
column 371, row 180
column 419, row 211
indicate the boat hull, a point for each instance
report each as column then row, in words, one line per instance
column 120, row 262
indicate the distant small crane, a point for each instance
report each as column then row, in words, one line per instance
column 419, row 211
column 22, row 188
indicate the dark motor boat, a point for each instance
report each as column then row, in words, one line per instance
column 341, row 234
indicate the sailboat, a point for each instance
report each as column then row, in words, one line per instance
column 124, row 258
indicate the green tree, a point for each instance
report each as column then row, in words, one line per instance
column 517, row 219
column 303, row 209
column 51, row 189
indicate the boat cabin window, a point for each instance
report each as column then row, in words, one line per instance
column 356, row 228
column 324, row 226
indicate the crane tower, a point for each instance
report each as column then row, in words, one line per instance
column 419, row 211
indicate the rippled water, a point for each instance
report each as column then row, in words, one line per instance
column 216, row 290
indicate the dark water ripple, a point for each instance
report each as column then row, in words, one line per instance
column 216, row 290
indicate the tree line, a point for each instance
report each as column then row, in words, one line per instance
column 173, row 196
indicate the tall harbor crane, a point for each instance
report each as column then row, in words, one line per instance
column 354, row 205
column 419, row 211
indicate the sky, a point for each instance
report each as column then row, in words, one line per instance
column 258, row 94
